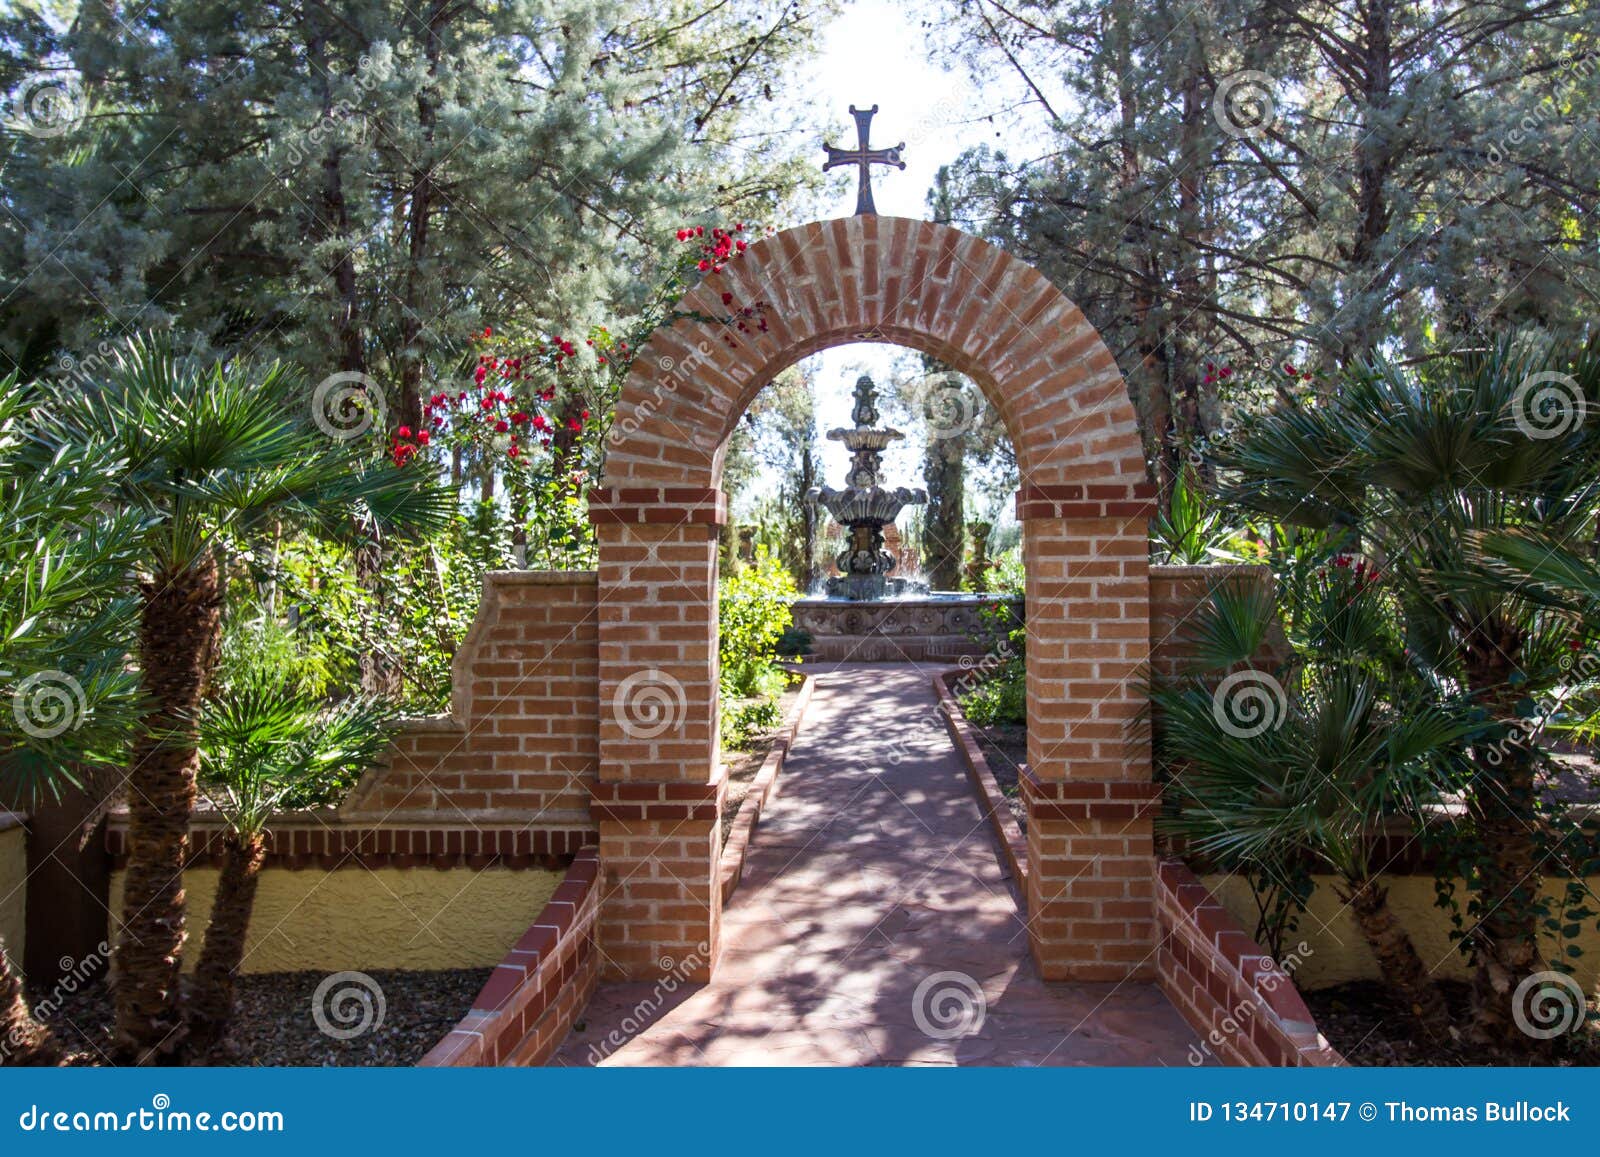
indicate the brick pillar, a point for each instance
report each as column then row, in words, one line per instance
column 1091, row 884
column 658, row 802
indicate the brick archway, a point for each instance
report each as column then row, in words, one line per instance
column 1084, row 497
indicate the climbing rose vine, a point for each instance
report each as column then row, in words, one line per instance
column 523, row 396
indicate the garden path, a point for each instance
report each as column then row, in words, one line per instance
column 873, row 910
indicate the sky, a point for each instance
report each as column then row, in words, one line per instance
column 878, row 52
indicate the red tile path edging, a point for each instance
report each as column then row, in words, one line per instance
column 1241, row 1002
column 531, row 999
column 1008, row 833
column 731, row 866
column 325, row 841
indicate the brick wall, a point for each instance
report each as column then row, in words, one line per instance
column 1084, row 496
column 1242, row 1003
column 658, row 800
column 1176, row 592
column 528, row 1004
column 1087, row 787
column 520, row 746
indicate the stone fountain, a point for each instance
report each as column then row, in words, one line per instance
column 868, row 614
column 864, row 507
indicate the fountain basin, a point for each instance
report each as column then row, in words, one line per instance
column 933, row 626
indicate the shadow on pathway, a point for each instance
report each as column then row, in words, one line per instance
column 875, row 924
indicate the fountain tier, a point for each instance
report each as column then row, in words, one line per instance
column 864, row 507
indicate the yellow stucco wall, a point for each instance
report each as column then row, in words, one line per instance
column 13, row 890
column 326, row 921
column 1338, row 952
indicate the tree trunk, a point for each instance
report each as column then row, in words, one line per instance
column 334, row 222
column 378, row 672
column 1505, row 939
column 1402, row 969
column 944, row 531
column 808, row 521
column 419, row 219
column 1152, row 381
column 211, row 997
column 1190, row 340
column 23, row 1040
column 178, row 628
column 1367, row 277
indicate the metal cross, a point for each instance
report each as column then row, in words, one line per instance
column 863, row 156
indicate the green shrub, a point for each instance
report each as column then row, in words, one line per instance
column 1000, row 699
column 752, row 615
column 743, row 723
column 794, row 642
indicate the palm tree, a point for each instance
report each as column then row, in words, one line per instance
column 62, row 651
column 213, row 452
column 1312, row 759
column 269, row 741
column 1424, row 467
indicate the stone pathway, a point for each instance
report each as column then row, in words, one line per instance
column 875, row 924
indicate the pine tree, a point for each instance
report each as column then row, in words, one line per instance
column 1255, row 182
column 359, row 188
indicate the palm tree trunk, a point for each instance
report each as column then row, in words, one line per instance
column 211, row 996
column 378, row 672
column 23, row 1040
column 1402, row 969
column 178, row 630
column 1505, row 942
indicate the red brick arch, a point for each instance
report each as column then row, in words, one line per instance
column 1085, row 499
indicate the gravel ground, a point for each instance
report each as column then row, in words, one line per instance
column 274, row 1023
column 1359, row 1021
